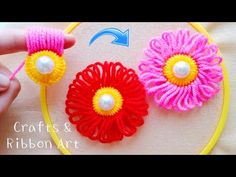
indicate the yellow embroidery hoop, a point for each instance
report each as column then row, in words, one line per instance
column 207, row 148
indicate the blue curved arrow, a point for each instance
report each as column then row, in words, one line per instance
column 121, row 38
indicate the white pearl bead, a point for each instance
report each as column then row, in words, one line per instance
column 181, row 69
column 106, row 102
column 45, row 65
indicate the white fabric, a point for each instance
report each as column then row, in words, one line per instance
column 164, row 132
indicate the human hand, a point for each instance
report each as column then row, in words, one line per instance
column 12, row 41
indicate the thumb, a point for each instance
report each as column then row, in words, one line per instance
column 4, row 82
column 8, row 89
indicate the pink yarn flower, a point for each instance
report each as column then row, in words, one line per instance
column 181, row 70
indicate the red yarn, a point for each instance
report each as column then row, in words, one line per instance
column 106, row 129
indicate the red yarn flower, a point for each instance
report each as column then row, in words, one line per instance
column 106, row 102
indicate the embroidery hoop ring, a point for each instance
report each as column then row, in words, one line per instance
column 207, row 148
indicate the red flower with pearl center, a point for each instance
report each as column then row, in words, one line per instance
column 106, row 102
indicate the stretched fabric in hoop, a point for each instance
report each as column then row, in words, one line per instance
column 205, row 150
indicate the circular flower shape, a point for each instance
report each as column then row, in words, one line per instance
column 181, row 71
column 45, row 67
column 106, row 102
column 176, row 67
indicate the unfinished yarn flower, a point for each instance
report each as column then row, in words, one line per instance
column 45, row 63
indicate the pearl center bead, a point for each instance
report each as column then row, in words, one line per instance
column 106, row 102
column 181, row 69
column 45, row 65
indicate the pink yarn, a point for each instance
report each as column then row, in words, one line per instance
column 38, row 39
column 169, row 95
column 17, row 70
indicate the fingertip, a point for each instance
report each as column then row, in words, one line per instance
column 8, row 96
column 10, row 89
column 16, row 87
column 69, row 41
column 4, row 82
